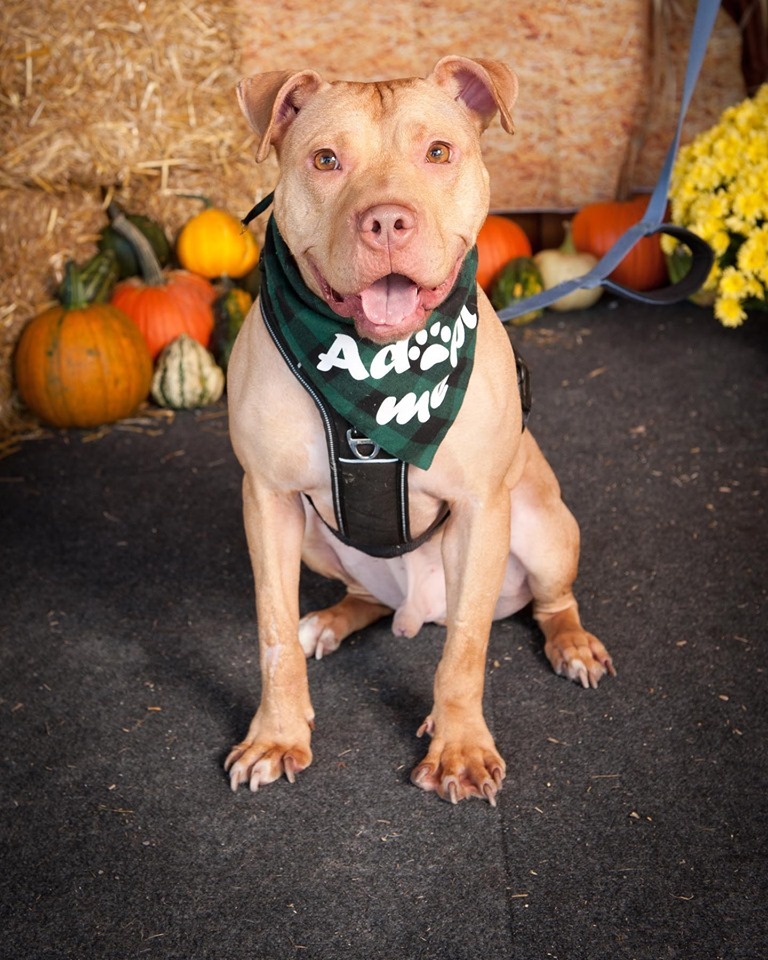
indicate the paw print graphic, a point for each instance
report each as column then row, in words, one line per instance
column 430, row 346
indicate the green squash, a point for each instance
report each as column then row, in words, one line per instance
column 127, row 261
column 518, row 279
column 91, row 283
column 229, row 312
column 251, row 282
column 186, row 376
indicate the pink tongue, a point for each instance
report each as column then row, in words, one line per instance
column 390, row 300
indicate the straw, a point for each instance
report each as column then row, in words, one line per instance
column 132, row 99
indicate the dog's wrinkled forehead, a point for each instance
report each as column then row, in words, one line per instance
column 474, row 89
column 385, row 117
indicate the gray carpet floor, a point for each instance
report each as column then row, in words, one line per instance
column 632, row 824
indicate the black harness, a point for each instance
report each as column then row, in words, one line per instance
column 369, row 486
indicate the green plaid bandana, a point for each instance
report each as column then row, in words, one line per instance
column 404, row 396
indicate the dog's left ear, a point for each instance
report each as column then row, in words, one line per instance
column 483, row 86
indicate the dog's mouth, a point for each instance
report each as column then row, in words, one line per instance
column 390, row 308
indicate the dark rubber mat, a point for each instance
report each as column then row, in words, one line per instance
column 633, row 821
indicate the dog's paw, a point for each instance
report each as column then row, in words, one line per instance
column 579, row 656
column 318, row 634
column 322, row 632
column 460, row 769
column 259, row 762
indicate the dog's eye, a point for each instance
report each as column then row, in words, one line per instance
column 326, row 160
column 439, row 152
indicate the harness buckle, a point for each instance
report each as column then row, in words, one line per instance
column 357, row 445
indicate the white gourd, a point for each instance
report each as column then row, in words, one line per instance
column 567, row 263
column 186, row 375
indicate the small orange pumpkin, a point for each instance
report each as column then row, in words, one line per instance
column 597, row 226
column 81, row 364
column 163, row 305
column 213, row 243
column 499, row 241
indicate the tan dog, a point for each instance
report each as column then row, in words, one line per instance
column 381, row 195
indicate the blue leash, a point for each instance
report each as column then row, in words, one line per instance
column 702, row 257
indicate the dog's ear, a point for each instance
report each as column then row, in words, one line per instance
column 483, row 86
column 270, row 101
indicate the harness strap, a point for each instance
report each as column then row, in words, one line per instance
column 371, row 496
column 369, row 487
column 523, row 382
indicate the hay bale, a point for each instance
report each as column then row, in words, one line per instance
column 131, row 97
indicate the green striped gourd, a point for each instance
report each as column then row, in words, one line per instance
column 518, row 279
column 186, row 375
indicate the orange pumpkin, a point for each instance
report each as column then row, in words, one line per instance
column 181, row 302
column 499, row 241
column 81, row 364
column 597, row 226
column 163, row 305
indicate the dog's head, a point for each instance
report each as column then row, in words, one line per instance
column 382, row 187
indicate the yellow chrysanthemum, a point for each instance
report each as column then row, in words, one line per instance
column 710, row 206
column 720, row 240
column 710, row 284
column 753, row 253
column 729, row 312
column 733, row 284
column 719, row 190
column 749, row 206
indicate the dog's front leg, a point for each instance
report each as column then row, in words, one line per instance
column 278, row 740
column 463, row 760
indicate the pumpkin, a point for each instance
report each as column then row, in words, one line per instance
column 597, row 226
column 163, row 304
column 186, row 376
column 567, row 263
column 230, row 311
column 127, row 261
column 517, row 279
column 81, row 363
column 216, row 244
column 499, row 241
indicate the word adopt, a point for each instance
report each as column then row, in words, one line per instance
column 436, row 348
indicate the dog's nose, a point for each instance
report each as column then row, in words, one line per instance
column 387, row 225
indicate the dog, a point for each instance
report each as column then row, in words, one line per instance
column 430, row 501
